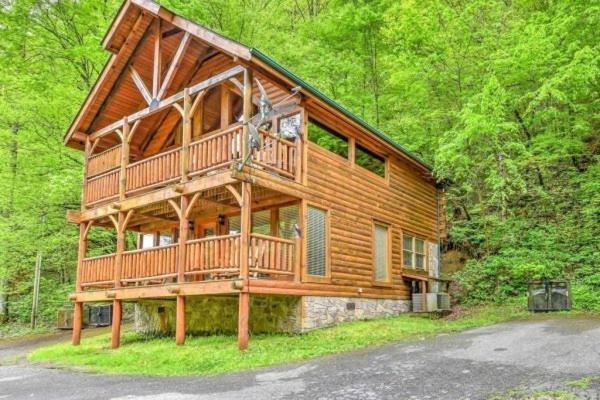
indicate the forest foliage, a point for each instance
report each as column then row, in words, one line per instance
column 502, row 97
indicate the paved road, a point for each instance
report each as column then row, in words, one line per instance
column 469, row 365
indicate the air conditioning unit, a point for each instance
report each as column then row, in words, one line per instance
column 101, row 315
column 435, row 302
column 64, row 318
column 549, row 296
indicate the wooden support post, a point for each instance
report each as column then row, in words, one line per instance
column 243, row 315
column 246, row 110
column 184, row 228
column 180, row 322
column 116, row 325
column 246, row 225
column 274, row 221
column 225, row 107
column 299, row 272
column 424, row 294
column 157, row 62
column 244, row 297
column 87, row 155
column 81, row 253
column 77, row 323
column 120, row 248
column 186, row 135
column 124, row 160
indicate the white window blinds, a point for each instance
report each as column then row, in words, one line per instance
column 288, row 217
column 381, row 248
column 316, row 238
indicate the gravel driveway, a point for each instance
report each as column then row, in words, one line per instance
column 535, row 355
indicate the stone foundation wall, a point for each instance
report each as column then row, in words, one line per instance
column 319, row 312
column 291, row 314
column 219, row 314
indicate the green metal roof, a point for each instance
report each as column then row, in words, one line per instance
column 316, row 92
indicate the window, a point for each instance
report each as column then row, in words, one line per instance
column 235, row 225
column 316, row 242
column 147, row 240
column 381, row 252
column 327, row 139
column 413, row 252
column 368, row 160
column 261, row 222
column 288, row 218
column 165, row 238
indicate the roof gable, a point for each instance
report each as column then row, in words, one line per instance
column 126, row 37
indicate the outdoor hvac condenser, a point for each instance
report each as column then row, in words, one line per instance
column 101, row 315
column 64, row 318
column 549, row 296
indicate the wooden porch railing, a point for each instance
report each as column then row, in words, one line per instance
column 216, row 150
column 97, row 271
column 208, row 258
column 212, row 151
column 102, row 187
column 220, row 254
column 271, row 255
column 149, row 264
column 101, row 162
column 276, row 155
column 161, row 168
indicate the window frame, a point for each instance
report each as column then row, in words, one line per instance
column 386, row 161
column 349, row 159
column 389, row 237
column 413, row 251
column 306, row 277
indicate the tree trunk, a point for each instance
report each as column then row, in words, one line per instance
column 8, row 213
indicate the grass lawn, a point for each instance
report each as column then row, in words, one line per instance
column 217, row 354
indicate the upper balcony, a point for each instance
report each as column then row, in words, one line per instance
column 191, row 134
column 213, row 151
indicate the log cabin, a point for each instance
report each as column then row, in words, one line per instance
column 258, row 203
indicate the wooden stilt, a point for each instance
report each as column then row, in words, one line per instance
column 116, row 324
column 243, row 314
column 77, row 323
column 424, row 294
column 246, row 225
column 180, row 323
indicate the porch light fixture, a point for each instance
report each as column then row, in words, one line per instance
column 221, row 219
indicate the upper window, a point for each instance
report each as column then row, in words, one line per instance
column 288, row 218
column 316, row 242
column 328, row 139
column 381, row 252
column 148, row 240
column 235, row 224
column 261, row 223
column 367, row 159
column 413, row 252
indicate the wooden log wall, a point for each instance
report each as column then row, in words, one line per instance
column 355, row 198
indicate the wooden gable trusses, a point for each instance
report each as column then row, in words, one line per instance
column 160, row 83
